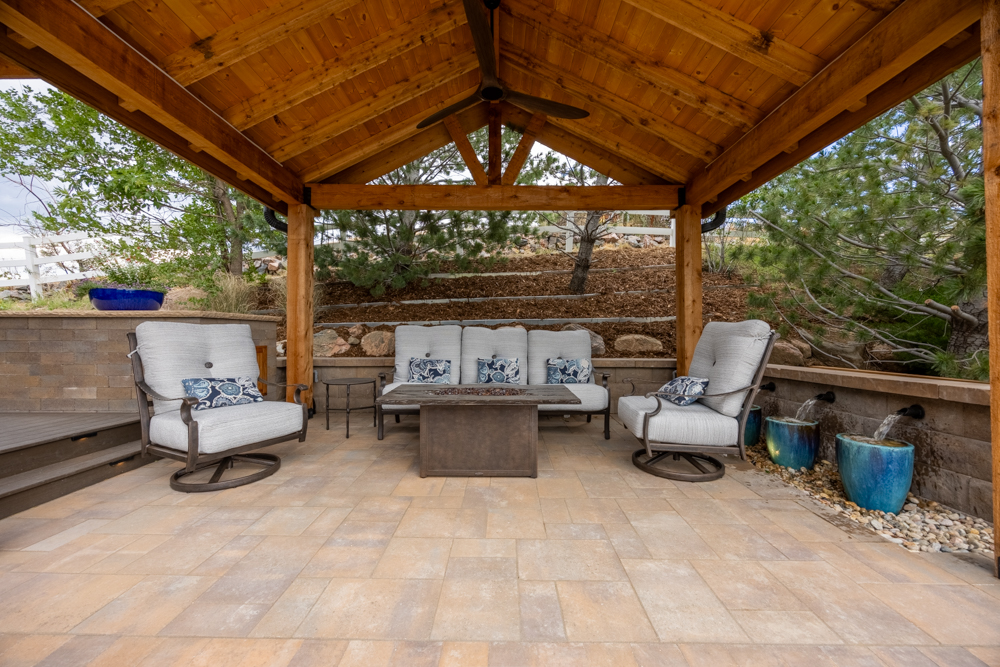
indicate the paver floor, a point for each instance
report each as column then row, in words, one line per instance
column 347, row 557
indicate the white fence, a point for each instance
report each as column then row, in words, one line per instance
column 626, row 231
column 32, row 261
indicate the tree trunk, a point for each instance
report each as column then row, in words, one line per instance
column 233, row 260
column 578, row 283
column 967, row 338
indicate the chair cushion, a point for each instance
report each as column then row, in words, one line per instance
column 694, row 424
column 690, row 388
column 728, row 354
column 222, row 392
column 568, row 371
column 227, row 428
column 396, row 408
column 444, row 342
column 593, row 398
column 430, row 371
column 499, row 370
column 173, row 351
column 544, row 345
column 481, row 343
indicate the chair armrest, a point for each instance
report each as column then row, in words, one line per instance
column 725, row 393
column 381, row 383
column 604, row 379
column 631, row 392
column 187, row 402
column 299, row 388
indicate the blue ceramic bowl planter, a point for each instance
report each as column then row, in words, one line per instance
column 792, row 444
column 751, row 432
column 104, row 298
column 875, row 476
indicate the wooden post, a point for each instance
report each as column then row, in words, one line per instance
column 688, row 272
column 299, row 309
column 991, row 170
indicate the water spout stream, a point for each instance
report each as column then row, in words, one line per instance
column 883, row 430
column 804, row 410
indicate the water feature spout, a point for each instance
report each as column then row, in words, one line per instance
column 804, row 410
column 913, row 412
column 770, row 386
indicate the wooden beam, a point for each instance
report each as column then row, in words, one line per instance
column 101, row 7
column 991, row 171
column 461, row 139
column 57, row 73
column 372, row 106
column 247, row 37
column 494, row 140
column 299, row 301
column 594, row 95
column 595, row 44
column 346, row 65
column 925, row 72
column 523, row 149
column 9, row 70
column 493, row 198
column 66, row 31
column 688, row 271
column 909, row 33
column 722, row 29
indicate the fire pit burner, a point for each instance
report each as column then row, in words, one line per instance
column 477, row 391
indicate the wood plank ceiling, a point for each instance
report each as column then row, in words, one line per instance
column 333, row 89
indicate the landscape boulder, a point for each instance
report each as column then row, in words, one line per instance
column 328, row 344
column 379, row 344
column 786, row 353
column 357, row 331
column 597, row 346
column 804, row 347
column 637, row 343
column 280, row 347
column 353, row 340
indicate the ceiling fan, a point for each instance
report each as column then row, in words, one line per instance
column 491, row 89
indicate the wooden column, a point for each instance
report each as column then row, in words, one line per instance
column 299, row 309
column 688, row 272
column 991, row 170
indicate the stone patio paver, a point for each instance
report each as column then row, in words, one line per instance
column 347, row 557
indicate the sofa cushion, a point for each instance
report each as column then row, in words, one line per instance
column 568, row 371
column 728, row 354
column 481, row 343
column 444, row 342
column 593, row 398
column 235, row 426
column 499, row 370
column 545, row 345
column 222, row 392
column 688, row 388
column 430, row 371
column 694, row 424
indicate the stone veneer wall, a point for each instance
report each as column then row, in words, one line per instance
column 75, row 361
column 953, row 461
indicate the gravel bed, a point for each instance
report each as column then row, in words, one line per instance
column 922, row 525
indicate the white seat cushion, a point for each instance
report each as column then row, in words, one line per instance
column 544, row 345
column 396, row 408
column 505, row 343
column 593, row 398
column 221, row 429
column 694, row 424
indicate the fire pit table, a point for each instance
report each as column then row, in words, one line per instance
column 478, row 430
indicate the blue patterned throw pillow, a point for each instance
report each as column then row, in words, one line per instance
column 499, row 370
column 569, row 371
column 691, row 387
column 430, row 371
column 221, row 392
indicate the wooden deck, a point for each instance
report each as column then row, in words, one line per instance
column 27, row 429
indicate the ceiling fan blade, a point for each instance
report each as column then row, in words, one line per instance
column 547, row 107
column 447, row 111
column 482, row 39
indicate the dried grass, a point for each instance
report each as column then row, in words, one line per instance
column 232, row 294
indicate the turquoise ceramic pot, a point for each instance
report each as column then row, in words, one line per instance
column 876, row 477
column 792, row 444
column 751, row 434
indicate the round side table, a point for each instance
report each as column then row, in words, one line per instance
column 348, row 382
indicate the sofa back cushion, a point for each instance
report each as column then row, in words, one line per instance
column 444, row 342
column 174, row 351
column 481, row 343
column 728, row 354
column 545, row 345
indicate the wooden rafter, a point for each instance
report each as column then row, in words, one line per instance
column 619, row 56
column 727, row 32
column 675, row 135
column 493, row 197
column 101, row 7
column 9, row 70
column 465, row 149
column 372, row 106
column 523, row 149
column 346, row 65
column 66, row 31
column 913, row 30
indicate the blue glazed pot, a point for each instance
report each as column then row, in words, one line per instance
column 125, row 299
column 792, row 444
column 751, row 433
column 876, row 477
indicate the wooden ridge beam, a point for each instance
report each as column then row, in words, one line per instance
column 372, row 106
column 593, row 43
column 247, row 37
column 57, row 73
column 346, row 65
column 66, row 31
column 681, row 138
column 909, row 33
column 465, row 149
column 523, row 149
column 492, row 198
column 919, row 76
column 725, row 31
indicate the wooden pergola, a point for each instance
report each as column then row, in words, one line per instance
column 692, row 103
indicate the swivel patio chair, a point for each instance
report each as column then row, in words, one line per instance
column 166, row 353
column 679, row 441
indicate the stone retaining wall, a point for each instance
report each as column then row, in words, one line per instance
column 74, row 361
